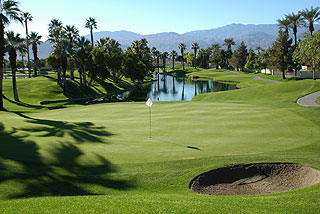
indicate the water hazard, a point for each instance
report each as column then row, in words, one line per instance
column 169, row 88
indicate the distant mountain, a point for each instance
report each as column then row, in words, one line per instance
column 262, row 35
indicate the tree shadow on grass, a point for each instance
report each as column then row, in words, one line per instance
column 81, row 132
column 22, row 163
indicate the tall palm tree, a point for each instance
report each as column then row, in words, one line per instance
column 13, row 42
column 56, row 34
column 311, row 16
column 22, row 48
column 62, row 49
column 259, row 49
column 284, row 23
column 91, row 23
column 296, row 20
column 27, row 17
column 173, row 55
column 35, row 39
column 158, row 54
column 182, row 48
column 229, row 42
column 82, row 52
column 164, row 57
column 153, row 52
column 9, row 11
column 195, row 47
column 72, row 33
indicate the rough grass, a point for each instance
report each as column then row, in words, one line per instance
column 100, row 159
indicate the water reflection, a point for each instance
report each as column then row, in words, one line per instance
column 169, row 88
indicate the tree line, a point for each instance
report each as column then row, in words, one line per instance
column 106, row 59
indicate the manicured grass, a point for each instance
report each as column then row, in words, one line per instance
column 318, row 100
column 100, row 159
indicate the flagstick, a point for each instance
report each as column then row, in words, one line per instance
column 150, row 119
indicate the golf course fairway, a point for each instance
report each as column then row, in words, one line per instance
column 100, row 158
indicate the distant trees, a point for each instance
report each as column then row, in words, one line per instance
column 239, row 57
column 164, row 57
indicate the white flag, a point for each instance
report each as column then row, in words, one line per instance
column 149, row 102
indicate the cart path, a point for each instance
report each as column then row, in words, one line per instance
column 309, row 100
column 258, row 78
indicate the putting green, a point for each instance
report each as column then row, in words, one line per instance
column 180, row 130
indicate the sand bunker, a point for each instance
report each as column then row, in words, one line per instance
column 253, row 179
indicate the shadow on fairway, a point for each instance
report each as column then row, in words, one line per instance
column 80, row 132
column 34, row 177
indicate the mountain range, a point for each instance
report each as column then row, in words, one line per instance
column 262, row 35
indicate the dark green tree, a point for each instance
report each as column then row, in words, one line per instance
column 251, row 60
column 281, row 53
column 239, row 57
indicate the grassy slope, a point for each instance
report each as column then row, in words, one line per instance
column 103, row 156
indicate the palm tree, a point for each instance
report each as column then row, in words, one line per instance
column 296, row 21
column 62, row 49
column 82, row 51
column 259, row 49
column 35, row 41
column 9, row 11
column 284, row 23
column 229, row 42
column 195, row 47
column 91, row 23
column 102, row 42
column 56, row 34
column 164, row 57
column 13, row 42
column 72, row 33
column 158, row 54
column 22, row 48
column 182, row 48
column 311, row 16
column 27, row 17
column 153, row 52
column 173, row 55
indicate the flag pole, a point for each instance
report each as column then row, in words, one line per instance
column 149, row 104
column 150, row 120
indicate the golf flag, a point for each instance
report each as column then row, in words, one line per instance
column 149, row 102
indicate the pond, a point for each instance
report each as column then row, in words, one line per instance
column 170, row 88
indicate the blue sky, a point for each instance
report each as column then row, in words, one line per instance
column 150, row 16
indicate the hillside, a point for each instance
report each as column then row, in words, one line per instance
column 262, row 35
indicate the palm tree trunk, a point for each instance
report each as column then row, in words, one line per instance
column 91, row 31
column 28, row 51
column 84, row 76
column 36, row 67
column 2, row 53
column 314, row 72
column 14, row 84
column 80, row 76
column 283, row 74
column 173, row 63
